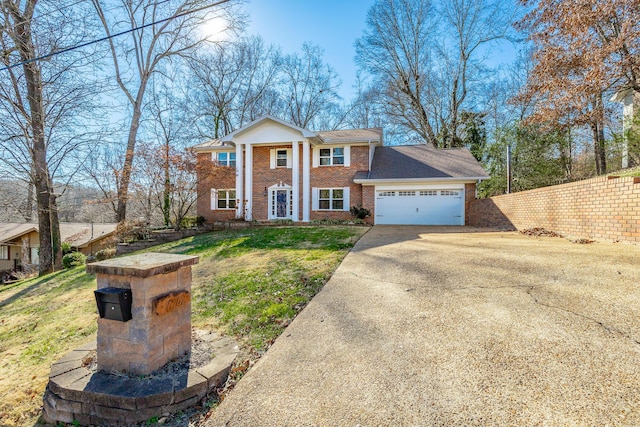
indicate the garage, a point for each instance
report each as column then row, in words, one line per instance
column 427, row 206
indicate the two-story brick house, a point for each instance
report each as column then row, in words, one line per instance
column 273, row 170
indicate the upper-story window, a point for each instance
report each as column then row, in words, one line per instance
column 226, row 159
column 281, row 158
column 332, row 156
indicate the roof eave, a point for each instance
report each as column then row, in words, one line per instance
column 374, row 181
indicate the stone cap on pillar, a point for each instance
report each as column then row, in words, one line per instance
column 142, row 265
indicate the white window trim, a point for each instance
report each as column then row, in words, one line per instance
column 214, row 158
column 214, row 199
column 273, row 158
column 316, row 155
column 345, row 199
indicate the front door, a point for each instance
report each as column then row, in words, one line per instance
column 280, row 203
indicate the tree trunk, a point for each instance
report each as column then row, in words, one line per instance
column 599, row 148
column 21, row 35
column 123, row 188
column 166, row 208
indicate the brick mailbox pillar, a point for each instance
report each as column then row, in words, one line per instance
column 159, row 329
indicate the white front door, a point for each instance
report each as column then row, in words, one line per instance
column 280, row 203
column 420, row 207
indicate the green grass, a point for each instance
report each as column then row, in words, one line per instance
column 634, row 172
column 249, row 283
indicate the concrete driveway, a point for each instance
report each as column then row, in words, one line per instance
column 449, row 327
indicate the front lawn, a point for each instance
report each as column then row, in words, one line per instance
column 249, row 283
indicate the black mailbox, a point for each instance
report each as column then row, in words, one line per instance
column 114, row 303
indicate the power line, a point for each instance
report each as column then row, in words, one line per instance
column 68, row 49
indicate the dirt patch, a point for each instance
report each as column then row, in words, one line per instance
column 540, row 232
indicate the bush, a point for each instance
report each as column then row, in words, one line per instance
column 73, row 259
column 360, row 212
column 66, row 248
column 107, row 253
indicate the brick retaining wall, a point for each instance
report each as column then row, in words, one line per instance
column 606, row 208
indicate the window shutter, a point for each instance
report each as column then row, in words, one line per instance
column 214, row 199
column 347, row 156
column 272, row 158
column 316, row 157
column 346, row 205
column 314, row 199
column 289, row 158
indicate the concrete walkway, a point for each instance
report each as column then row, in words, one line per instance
column 450, row 327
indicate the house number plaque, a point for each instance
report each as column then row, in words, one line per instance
column 170, row 302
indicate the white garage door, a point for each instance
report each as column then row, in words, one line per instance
column 420, row 207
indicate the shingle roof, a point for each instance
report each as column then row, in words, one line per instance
column 212, row 144
column 351, row 135
column 424, row 161
column 78, row 234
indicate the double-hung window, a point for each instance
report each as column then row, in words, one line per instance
column 332, row 156
column 281, row 158
column 331, row 199
column 223, row 199
column 4, row 252
column 226, row 159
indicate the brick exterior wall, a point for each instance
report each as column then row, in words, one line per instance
column 211, row 175
column 605, row 208
column 339, row 176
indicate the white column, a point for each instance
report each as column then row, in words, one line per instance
column 239, row 182
column 248, row 181
column 306, row 186
column 295, row 181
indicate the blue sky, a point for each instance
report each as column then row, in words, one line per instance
column 334, row 25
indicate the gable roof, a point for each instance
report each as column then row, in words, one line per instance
column 368, row 135
column 423, row 162
column 77, row 234
column 229, row 137
column 10, row 231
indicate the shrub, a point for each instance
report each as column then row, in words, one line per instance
column 360, row 212
column 66, row 248
column 73, row 259
column 106, row 253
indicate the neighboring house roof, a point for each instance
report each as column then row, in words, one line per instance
column 81, row 235
column 422, row 162
column 78, row 235
column 12, row 231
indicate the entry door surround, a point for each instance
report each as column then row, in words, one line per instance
column 280, row 201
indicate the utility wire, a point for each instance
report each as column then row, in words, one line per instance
column 68, row 49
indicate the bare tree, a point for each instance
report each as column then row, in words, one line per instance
column 163, row 31
column 425, row 55
column 41, row 101
column 233, row 84
column 309, row 87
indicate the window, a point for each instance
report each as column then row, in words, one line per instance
column 226, row 159
column 387, row 193
column 281, row 158
column 428, row 192
column 223, row 199
column 449, row 193
column 331, row 199
column 4, row 252
column 332, row 156
column 406, row 193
